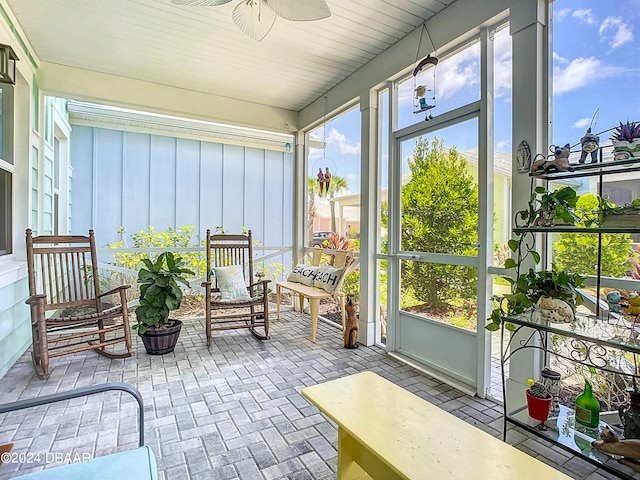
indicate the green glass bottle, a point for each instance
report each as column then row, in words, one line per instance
column 587, row 407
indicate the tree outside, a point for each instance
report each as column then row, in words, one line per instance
column 439, row 215
column 579, row 252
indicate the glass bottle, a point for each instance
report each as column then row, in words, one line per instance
column 630, row 415
column 587, row 407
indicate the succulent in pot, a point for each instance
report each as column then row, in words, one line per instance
column 626, row 140
column 539, row 400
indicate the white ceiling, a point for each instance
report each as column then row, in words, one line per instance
column 201, row 49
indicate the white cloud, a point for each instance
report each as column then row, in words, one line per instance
column 346, row 146
column 557, row 58
column 502, row 64
column 582, row 122
column 452, row 75
column 502, row 145
column 458, row 72
column 580, row 72
column 585, row 16
column 615, row 32
column 561, row 14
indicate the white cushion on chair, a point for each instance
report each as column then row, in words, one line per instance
column 231, row 284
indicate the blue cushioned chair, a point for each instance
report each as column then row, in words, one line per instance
column 138, row 464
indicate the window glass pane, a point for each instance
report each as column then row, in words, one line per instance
column 593, row 73
column 333, row 182
column 444, row 293
column 502, row 184
column 440, row 191
column 1, row 119
column 384, row 172
column 452, row 83
column 5, row 212
column 381, row 332
column 593, row 68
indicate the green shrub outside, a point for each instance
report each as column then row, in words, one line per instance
column 579, row 252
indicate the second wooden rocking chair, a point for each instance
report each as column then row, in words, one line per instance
column 233, row 299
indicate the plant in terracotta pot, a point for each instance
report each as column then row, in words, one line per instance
column 538, row 402
column 160, row 293
column 626, row 140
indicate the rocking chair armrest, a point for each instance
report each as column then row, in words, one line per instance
column 33, row 299
column 114, row 290
column 261, row 282
column 208, row 283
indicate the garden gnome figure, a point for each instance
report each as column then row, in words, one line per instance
column 589, row 144
column 327, row 178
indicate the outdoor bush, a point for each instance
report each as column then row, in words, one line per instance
column 579, row 252
column 439, row 215
column 150, row 238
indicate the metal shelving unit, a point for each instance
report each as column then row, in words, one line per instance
column 592, row 340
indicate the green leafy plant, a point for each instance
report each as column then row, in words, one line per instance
column 160, row 292
column 551, row 208
column 179, row 237
column 528, row 287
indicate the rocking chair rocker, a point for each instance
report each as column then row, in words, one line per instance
column 251, row 310
column 63, row 277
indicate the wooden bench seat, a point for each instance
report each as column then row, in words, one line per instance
column 385, row 431
column 314, row 295
column 339, row 259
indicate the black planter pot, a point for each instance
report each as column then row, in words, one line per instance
column 159, row 341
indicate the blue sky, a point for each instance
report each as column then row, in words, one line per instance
column 596, row 65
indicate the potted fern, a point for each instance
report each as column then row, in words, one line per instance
column 160, row 293
column 626, row 140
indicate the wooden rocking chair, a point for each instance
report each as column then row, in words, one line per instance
column 63, row 275
column 222, row 312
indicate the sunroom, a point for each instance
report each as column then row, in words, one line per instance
column 158, row 117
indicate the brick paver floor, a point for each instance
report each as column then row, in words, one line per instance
column 233, row 411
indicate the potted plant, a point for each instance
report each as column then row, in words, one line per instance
column 551, row 208
column 611, row 215
column 160, row 293
column 528, row 287
column 626, row 140
column 538, row 402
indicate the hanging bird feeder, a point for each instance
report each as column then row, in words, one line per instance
column 424, row 102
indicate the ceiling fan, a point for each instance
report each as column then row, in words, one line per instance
column 256, row 17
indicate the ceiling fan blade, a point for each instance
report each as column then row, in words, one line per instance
column 254, row 18
column 300, row 10
column 200, row 3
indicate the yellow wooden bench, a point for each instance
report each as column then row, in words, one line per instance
column 385, row 431
column 341, row 258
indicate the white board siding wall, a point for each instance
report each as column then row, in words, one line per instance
column 136, row 180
